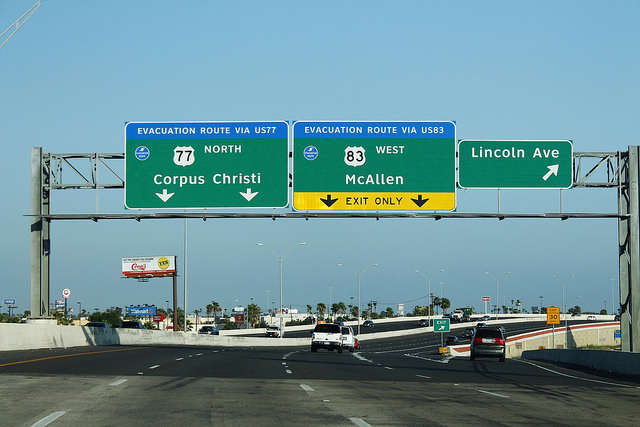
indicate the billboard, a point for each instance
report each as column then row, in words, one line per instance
column 152, row 266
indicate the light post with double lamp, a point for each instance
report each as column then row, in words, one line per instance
column 428, row 279
column 79, row 313
column 280, row 260
column 358, row 276
column 497, row 290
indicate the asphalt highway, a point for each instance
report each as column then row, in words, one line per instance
column 390, row 382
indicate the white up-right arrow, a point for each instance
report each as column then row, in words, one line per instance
column 553, row 170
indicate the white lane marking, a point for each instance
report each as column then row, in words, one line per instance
column 407, row 349
column 284, row 363
column 198, row 354
column 115, row 383
column 359, row 422
column 386, row 367
column 48, row 419
column 576, row 378
column 154, row 366
column 445, row 360
column 423, row 376
column 180, row 358
column 364, row 359
column 288, row 371
column 306, row 387
column 493, row 394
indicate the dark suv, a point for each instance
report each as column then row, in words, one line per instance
column 488, row 342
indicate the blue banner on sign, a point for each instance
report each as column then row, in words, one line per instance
column 141, row 311
column 206, row 130
column 9, row 302
column 374, row 130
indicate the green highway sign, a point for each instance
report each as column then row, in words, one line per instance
column 374, row 166
column 441, row 325
column 182, row 165
column 515, row 164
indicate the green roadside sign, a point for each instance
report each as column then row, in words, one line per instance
column 441, row 325
column 515, row 164
column 182, row 165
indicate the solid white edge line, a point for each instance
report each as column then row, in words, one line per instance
column 359, row 422
column 493, row 394
column 115, row 383
column 575, row 377
column 154, row 366
column 423, row 376
column 49, row 419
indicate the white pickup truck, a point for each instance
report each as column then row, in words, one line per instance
column 327, row 335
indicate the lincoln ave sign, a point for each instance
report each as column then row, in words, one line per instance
column 515, row 164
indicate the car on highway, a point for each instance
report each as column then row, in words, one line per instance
column 452, row 340
column 501, row 328
column 368, row 324
column 326, row 335
column 274, row 331
column 468, row 332
column 97, row 325
column 488, row 342
column 616, row 318
column 481, row 325
column 575, row 313
column 422, row 322
column 591, row 317
column 485, row 317
column 208, row 330
column 348, row 339
column 132, row 324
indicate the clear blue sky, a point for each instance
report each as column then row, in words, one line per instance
column 77, row 71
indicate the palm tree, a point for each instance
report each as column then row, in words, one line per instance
column 253, row 312
column 389, row 312
column 354, row 311
column 209, row 309
column 321, row 308
column 342, row 308
column 445, row 304
column 216, row 309
column 436, row 301
column 309, row 308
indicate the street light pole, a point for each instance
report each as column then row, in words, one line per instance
column 358, row 275
column 280, row 260
column 428, row 279
column 497, row 291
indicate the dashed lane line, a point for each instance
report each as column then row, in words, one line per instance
column 493, row 394
column 49, row 419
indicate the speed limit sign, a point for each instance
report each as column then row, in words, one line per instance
column 553, row 315
column 66, row 293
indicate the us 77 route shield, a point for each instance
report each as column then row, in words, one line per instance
column 374, row 166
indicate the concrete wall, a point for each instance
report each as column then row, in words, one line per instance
column 20, row 336
column 601, row 333
column 609, row 361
